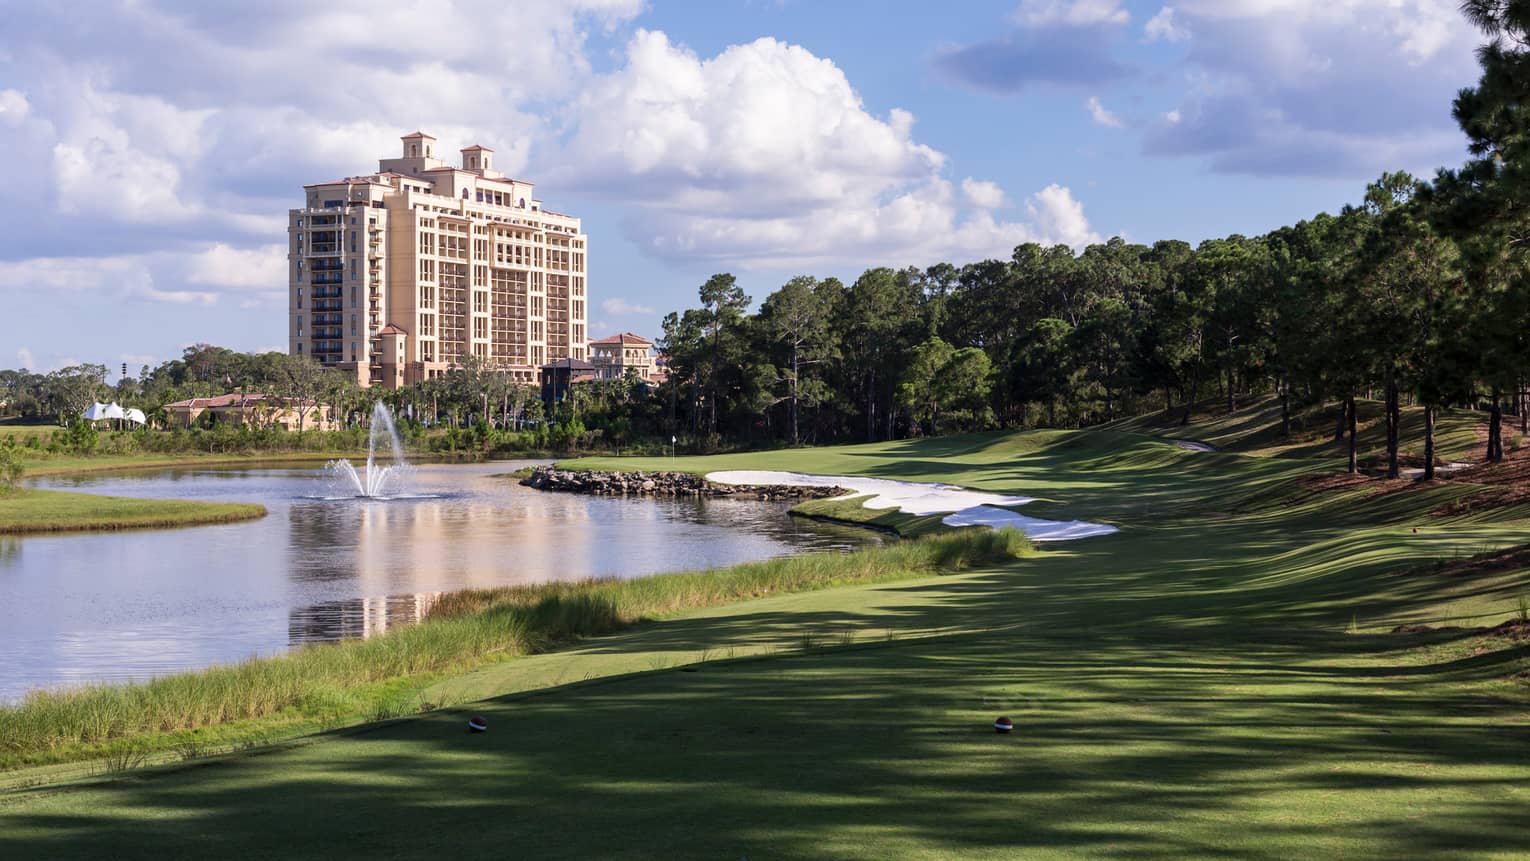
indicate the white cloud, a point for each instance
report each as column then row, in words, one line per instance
column 1162, row 27
column 160, row 276
column 1102, row 116
column 13, row 107
column 73, row 273
column 25, row 360
column 1074, row 13
column 1061, row 218
column 622, row 306
column 1340, row 88
column 761, row 128
column 149, row 293
column 764, row 155
column 982, row 193
column 263, row 268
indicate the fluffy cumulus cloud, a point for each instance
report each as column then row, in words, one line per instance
column 176, row 133
column 1342, row 88
column 764, row 155
column 1054, row 42
column 205, row 146
column 982, row 193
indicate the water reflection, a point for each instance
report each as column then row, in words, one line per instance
column 357, row 617
column 129, row 605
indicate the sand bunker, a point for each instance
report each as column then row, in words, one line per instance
column 966, row 507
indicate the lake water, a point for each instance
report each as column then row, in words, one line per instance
column 132, row 605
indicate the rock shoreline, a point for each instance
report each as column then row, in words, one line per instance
column 598, row 483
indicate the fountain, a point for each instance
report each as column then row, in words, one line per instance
column 380, row 481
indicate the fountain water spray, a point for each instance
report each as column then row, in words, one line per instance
column 379, row 481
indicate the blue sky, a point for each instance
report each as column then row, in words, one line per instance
column 158, row 143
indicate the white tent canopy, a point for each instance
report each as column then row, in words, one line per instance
column 101, row 412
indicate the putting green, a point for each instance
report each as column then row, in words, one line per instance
column 1217, row 679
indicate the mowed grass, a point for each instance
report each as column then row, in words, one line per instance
column 1254, row 428
column 1218, row 679
column 331, row 685
column 23, row 432
column 26, row 510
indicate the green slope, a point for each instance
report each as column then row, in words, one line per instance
column 1217, row 679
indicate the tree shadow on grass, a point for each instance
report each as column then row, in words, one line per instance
column 1147, row 750
column 1182, row 691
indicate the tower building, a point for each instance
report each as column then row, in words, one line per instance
column 395, row 276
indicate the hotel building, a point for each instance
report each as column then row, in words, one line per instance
column 397, row 275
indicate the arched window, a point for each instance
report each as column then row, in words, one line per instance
column 523, row 203
column 464, row 194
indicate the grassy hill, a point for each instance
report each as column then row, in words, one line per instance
column 1222, row 677
column 1255, row 429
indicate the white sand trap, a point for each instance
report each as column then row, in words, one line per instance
column 967, row 507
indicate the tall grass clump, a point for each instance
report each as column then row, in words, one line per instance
column 463, row 629
column 610, row 604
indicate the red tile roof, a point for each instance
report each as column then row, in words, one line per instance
column 391, row 329
column 417, row 135
column 219, row 401
column 476, row 148
column 625, row 338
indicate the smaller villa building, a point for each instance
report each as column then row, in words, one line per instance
column 614, row 356
column 262, row 411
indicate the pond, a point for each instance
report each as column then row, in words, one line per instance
column 131, row 605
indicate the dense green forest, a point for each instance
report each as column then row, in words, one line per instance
column 1417, row 293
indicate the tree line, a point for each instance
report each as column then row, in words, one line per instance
column 1417, row 292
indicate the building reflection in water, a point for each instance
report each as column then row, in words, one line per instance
column 356, row 618
column 400, row 555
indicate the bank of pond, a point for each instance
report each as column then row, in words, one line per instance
column 325, row 686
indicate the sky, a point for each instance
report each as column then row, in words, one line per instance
column 155, row 146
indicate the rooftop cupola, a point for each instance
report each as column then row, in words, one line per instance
column 476, row 157
column 419, row 145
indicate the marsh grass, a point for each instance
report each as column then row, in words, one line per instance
column 329, row 685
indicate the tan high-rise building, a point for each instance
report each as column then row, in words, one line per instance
column 397, row 275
